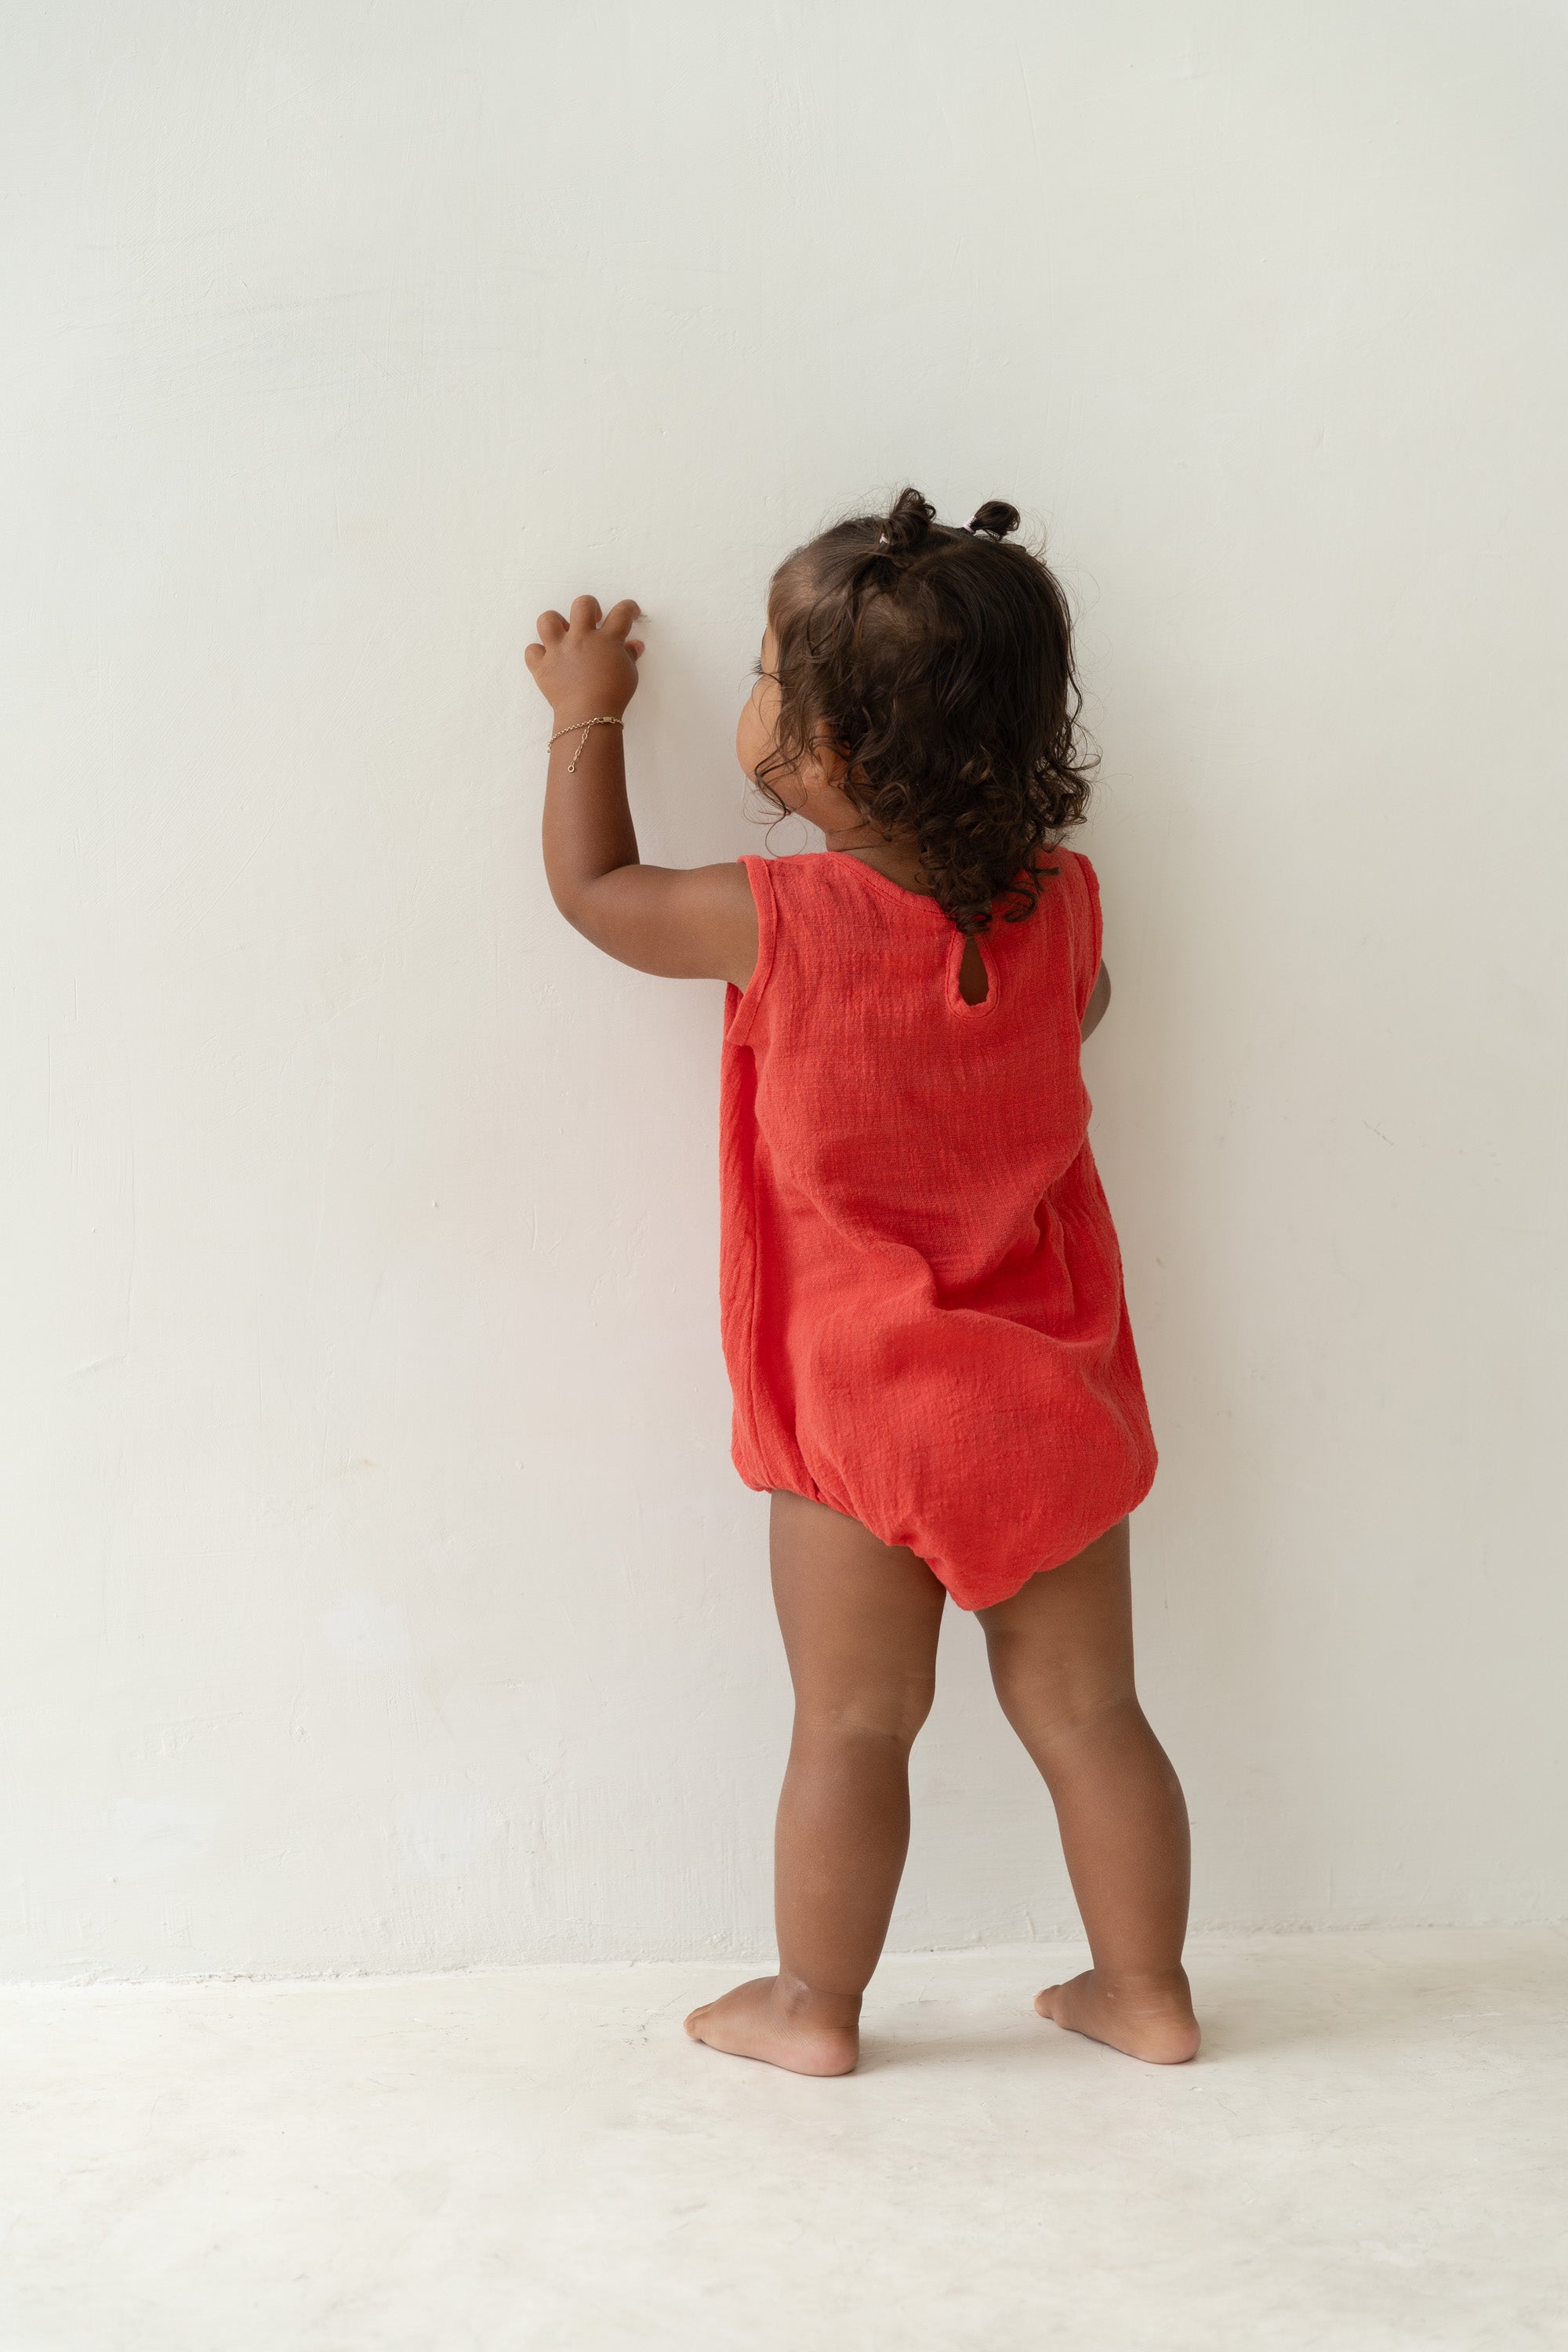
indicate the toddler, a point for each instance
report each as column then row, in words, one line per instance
column 921, row 1302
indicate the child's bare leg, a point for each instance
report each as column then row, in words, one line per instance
column 1061, row 1658
column 861, row 1621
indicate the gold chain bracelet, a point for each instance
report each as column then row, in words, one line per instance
column 582, row 724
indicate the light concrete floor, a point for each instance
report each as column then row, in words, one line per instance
column 1370, row 2154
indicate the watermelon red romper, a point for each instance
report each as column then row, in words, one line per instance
column 921, row 1299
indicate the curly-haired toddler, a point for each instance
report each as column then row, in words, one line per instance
column 921, row 1299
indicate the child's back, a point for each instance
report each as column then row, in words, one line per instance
column 922, row 1297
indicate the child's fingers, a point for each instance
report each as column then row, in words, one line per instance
column 533, row 655
column 551, row 628
column 585, row 612
column 620, row 617
column 634, row 647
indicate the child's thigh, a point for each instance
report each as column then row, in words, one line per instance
column 1070, row 1626
column 860, row 1617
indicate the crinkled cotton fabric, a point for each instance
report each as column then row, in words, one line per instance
column 921, row 1299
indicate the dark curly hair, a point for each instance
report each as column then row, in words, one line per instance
column 938, row 663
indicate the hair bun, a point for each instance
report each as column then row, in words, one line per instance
column 908, row 523
column 995, row 518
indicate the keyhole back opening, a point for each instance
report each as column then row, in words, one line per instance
column 974, row 978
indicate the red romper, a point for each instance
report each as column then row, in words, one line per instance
column 921, row 1290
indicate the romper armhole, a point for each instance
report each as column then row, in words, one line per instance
column 1088, row 951
column 740, row 1006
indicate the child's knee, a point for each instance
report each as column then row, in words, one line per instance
column 1063, row 1696
column 892, row 1711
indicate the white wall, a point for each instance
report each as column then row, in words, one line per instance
column 380, row 1593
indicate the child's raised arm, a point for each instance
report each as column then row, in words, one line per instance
column 687, row 923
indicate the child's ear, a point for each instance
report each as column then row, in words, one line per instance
column 825, row 763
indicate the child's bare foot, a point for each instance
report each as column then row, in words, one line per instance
column 784, row 2025
column 1152, row 2020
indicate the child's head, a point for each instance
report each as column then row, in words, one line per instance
column 924, row 674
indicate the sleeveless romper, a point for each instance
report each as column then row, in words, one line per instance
column 921, row 1290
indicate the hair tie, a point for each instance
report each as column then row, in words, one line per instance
column 969, row 526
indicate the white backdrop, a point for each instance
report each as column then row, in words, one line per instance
column 379, row 1591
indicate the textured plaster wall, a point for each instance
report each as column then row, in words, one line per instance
column 378, row 1590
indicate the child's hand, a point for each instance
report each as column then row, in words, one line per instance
column 586, row 668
